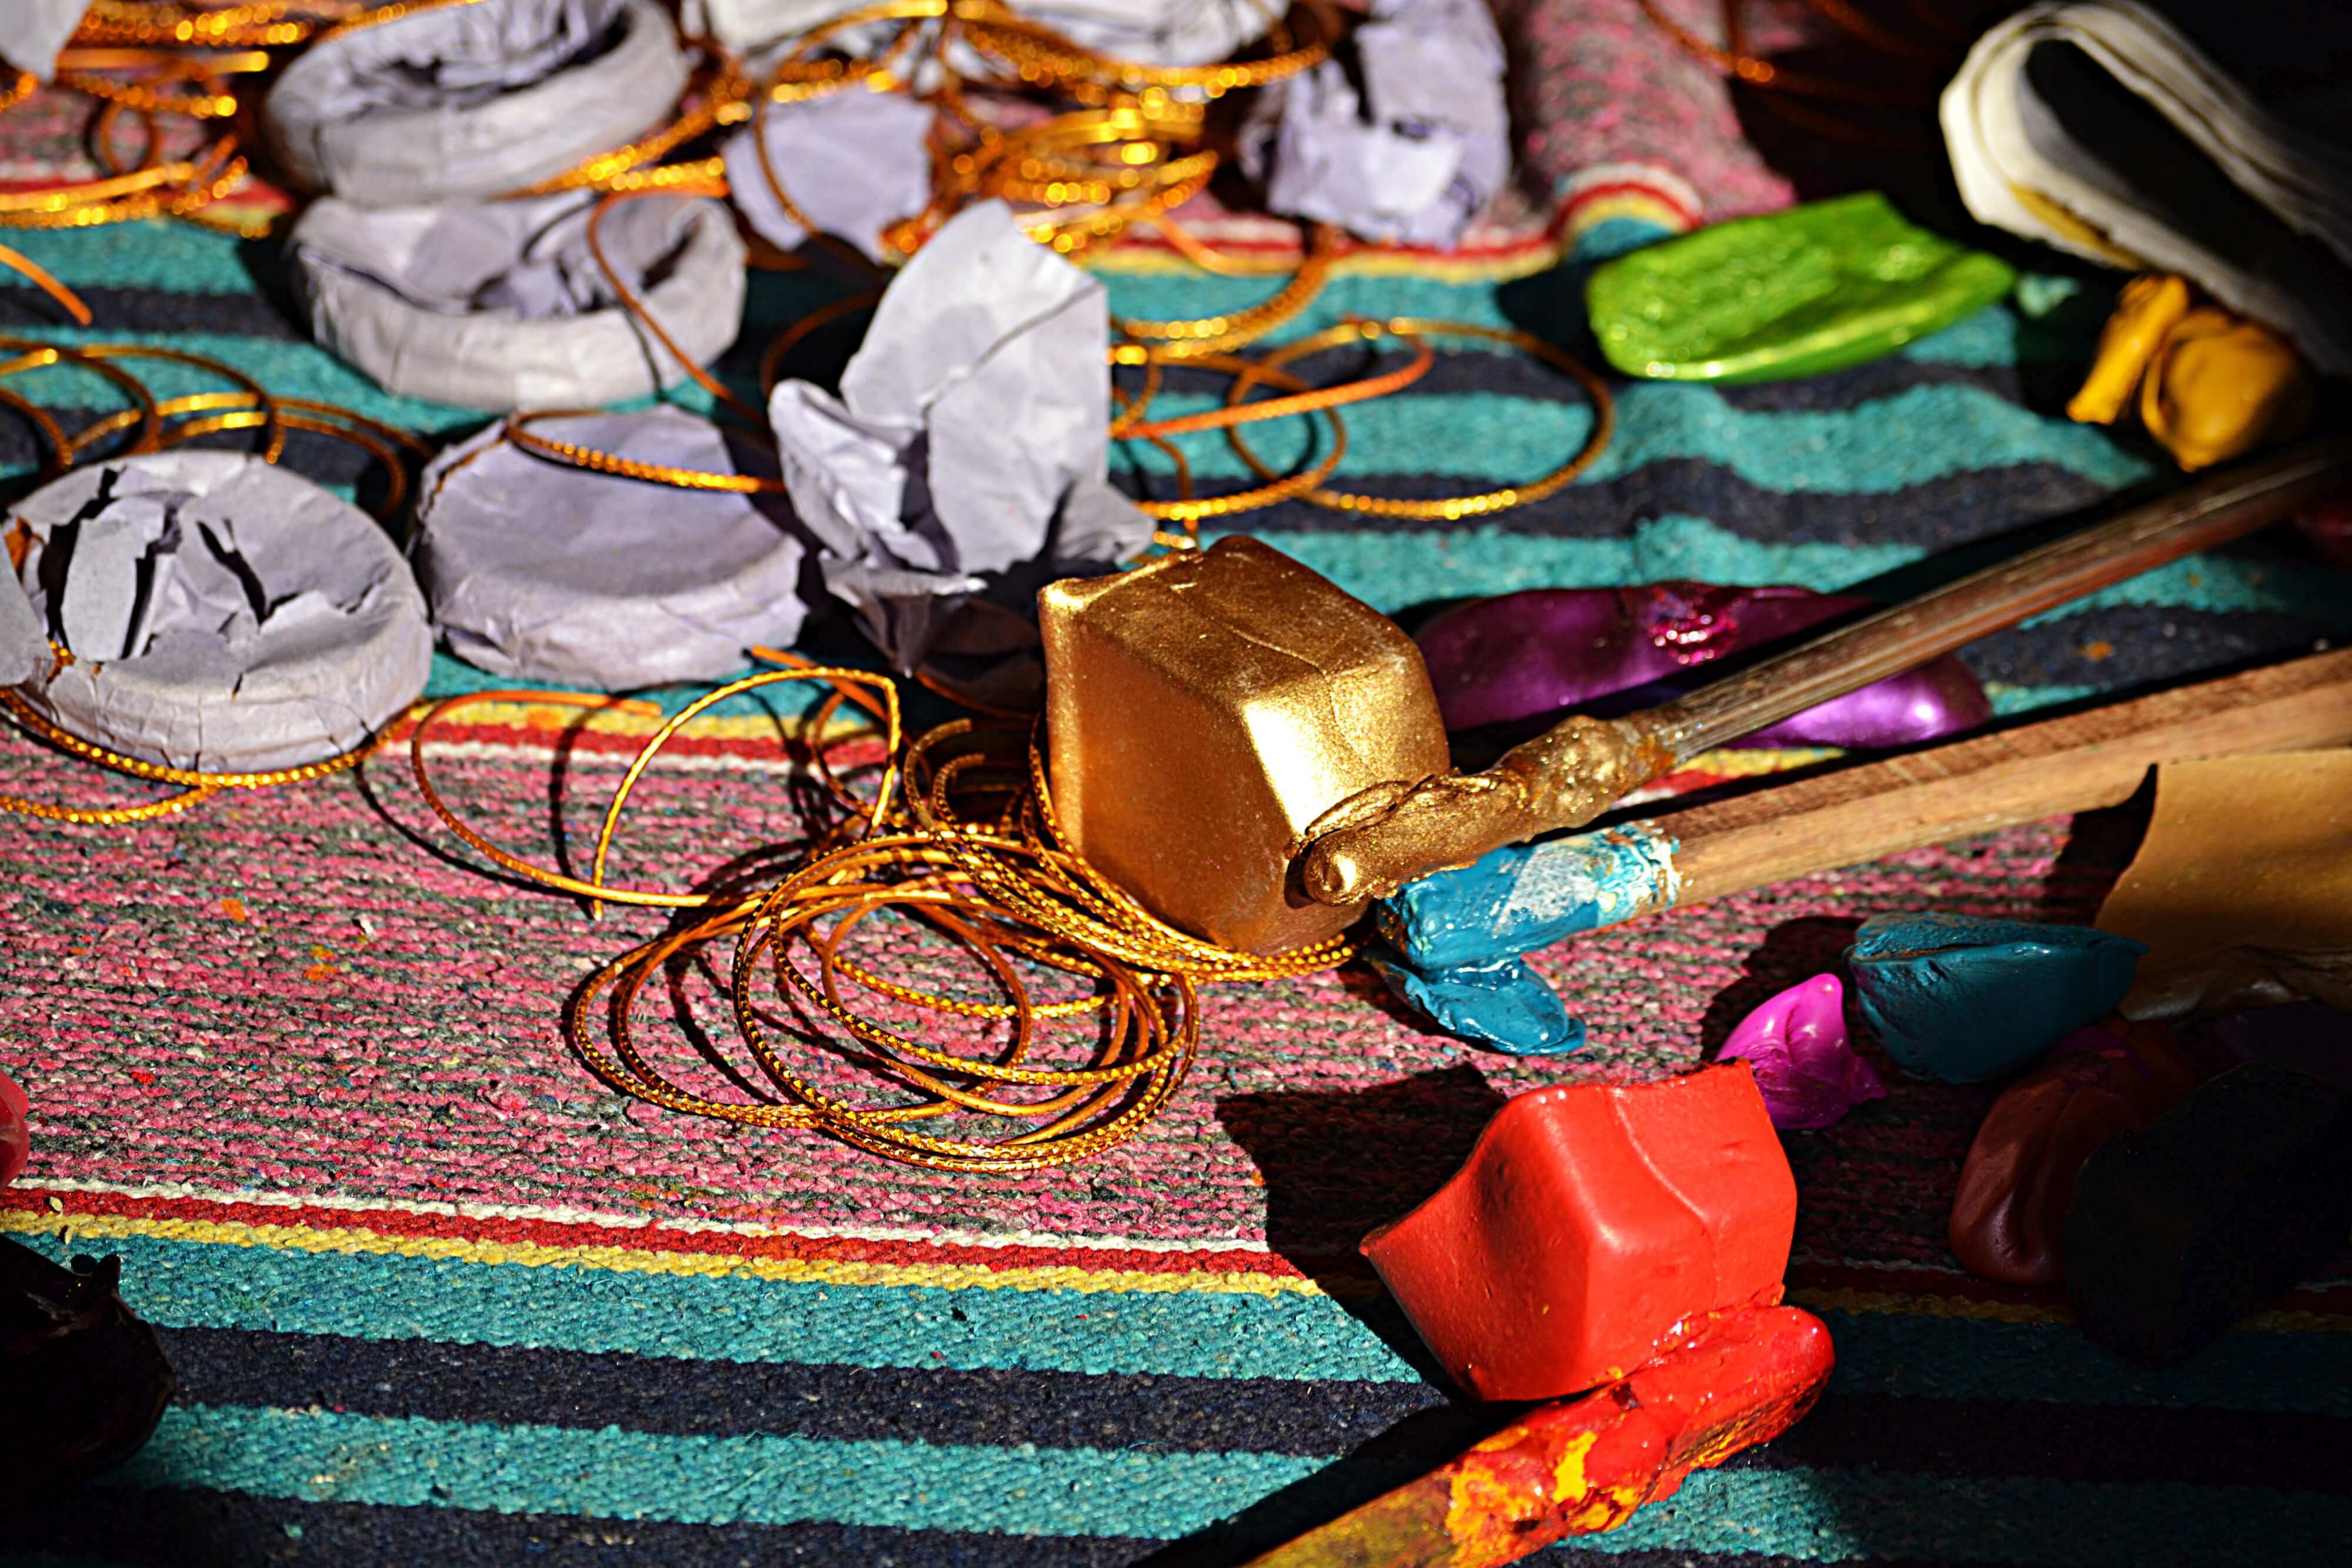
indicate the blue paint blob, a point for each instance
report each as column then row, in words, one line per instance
column 1503, row 1004
column 1964, row 1000
column 1526, row 896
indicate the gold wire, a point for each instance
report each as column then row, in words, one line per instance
column 1453, row 509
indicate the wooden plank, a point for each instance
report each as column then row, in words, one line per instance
column 2076, row 763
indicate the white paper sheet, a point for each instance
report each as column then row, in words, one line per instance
column 35, row 30
column 852, row 162
column 1413, row 157
column 225, row 616
column 500, row 305
column 542, row 571
column 472, row 101
column 976, row 405
column 2007, row 133
column 1159, row 32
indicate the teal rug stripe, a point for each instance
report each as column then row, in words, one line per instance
column 1187, row 1333
column 452, row 677
column 182, row 259
column 740, row 1318
column 322, row 1457
column 1920, row 435
column 1807, row 1514
column 2007, row 701
column 284, row 368
column 177, row 258
column 1176, row 296
column 1470, row 563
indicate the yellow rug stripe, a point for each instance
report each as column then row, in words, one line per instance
column 641, row 1260
column 939, row 1276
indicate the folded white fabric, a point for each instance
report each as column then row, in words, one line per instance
column 2096, row 126
column 1415, row 156
column 223, row 615
column 36, row 30
column 852, row 162
column 473, row 100
column 500, row 305
column 554, row 573
column 969, row 438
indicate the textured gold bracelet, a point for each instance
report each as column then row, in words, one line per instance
column 1453, row 508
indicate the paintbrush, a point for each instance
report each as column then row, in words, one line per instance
column 1253, row 754
column 1579, row 1467
column 1529, row 896
column 1381, row 837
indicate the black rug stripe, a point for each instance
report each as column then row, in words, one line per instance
column 2077, row 1443
column 501, row 1384
column 1513, row 374
column 251, row 314
column 1389, row 1424
column 187, row 1529
column 176, row 1529
column 1933, row 516
column 1936, row 515
column 2126, row 646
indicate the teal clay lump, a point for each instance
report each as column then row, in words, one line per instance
column 1796, row 293
column 1964, row 1000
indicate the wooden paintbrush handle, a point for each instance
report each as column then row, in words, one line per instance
column 1369, row 845
column 2078, row 762
column 2213, row 512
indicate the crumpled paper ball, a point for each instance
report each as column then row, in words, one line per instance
column 967, row 451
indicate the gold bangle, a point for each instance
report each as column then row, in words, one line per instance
column 1210, row 333
column 22, row 710
column 33, row 354
column 1315, row 400
column 272, row 446
column 58, row 444
column 1191, row 510
column 518, row 432
column 1455, row 509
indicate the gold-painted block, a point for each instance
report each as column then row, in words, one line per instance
column 1203, row 710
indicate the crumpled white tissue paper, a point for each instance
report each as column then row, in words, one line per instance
column 501, row 306
column 548, row 572
column 466, row 102
column 223, row 615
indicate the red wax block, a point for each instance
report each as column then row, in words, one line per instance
column 1591, row 1227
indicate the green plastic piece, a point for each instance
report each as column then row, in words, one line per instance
column 1796, row 293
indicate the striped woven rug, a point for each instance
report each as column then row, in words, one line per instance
column 436, row 1296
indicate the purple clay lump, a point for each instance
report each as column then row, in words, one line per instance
column 1526, row 659
column 1796, row 1045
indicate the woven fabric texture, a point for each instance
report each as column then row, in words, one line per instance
column 436, row 1296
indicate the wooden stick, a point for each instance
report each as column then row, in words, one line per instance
column 1579, row 1467
column 1378, row 839
column 2076, row 763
